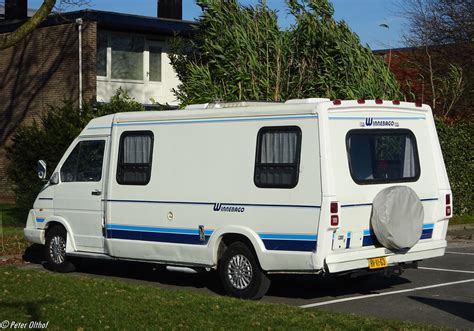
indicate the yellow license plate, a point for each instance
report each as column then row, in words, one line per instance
column 377, row 262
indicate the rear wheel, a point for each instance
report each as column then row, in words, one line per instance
column 240, row 273
column 55, row 250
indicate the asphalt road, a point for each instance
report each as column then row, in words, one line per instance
column 439, row 292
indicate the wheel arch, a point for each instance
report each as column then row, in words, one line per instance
column 53, row 221
column 222, row 238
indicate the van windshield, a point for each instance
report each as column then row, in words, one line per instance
column 382, row 156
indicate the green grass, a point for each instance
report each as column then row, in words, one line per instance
column 464, row 219
column 11, row 216
column 12, row 239
column 72, row 303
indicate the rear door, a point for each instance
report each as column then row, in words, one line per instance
column 79, row 194
column 377, row 148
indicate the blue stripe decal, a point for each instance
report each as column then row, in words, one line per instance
column 147, row 233
column 244, row 119
column 370, row 239
column 39, row 220
column 290, row 245
column 375, row 118
column 157, row 237
column 278, row 236
column 212, row 203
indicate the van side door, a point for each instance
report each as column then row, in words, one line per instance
column 79, row 195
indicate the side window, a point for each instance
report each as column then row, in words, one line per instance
column 135, row 157
column 84, row 164
column 382, row 156
column 277, row 161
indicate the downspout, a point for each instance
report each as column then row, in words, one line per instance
column 79, row 26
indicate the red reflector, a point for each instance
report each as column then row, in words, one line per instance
column 448, row 212
column 334, row 220
column 337, row 102
column 333, row 207
column 360, row 101
column 396, row 102
column 418, row 103
column 448, row 199
column 378, row 101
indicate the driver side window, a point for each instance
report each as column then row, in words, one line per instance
column 84, row 164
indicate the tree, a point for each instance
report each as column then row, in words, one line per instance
column 9, row 39
column 239, row 53
column 443, row 32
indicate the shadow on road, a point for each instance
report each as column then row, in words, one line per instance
column 283, row 286
column 463, row 310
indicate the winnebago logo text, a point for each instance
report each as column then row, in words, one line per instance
column 369, row 121
column 228, row 208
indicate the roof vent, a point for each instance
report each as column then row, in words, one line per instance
column 308, row 100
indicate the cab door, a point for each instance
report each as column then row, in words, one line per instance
column 79, row 193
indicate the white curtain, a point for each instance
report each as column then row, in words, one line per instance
column 137, row 149
column 279, row 147
column 409, row 159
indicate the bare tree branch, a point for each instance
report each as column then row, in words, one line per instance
column 9, row 39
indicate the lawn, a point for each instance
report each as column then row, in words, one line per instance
column 82, row 303
column 12, row 239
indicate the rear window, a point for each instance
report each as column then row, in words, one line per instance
column 382, row 156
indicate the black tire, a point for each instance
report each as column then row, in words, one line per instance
column 55, row 250
column 240, row 273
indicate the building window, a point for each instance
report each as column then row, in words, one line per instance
column 135, row 158
column 382, row 156
column 84, row 164
column 278, row 157
column 154, row 63
column 127, row 57
column 101, row 58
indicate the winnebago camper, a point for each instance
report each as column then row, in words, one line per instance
column 251, row 189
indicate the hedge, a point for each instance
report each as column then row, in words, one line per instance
column 456, row 142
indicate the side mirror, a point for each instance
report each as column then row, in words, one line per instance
column 54, row 179
column 41, row 169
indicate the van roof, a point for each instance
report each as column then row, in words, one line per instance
column 248, row 109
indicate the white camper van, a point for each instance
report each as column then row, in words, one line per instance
column 251, row 189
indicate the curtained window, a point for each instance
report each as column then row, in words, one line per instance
column 278, row 156
column 135, row 158
column 382, row 156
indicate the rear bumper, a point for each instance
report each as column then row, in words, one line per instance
column 345, row 261
column 35, row 236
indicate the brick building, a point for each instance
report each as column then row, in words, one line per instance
column 117, row 50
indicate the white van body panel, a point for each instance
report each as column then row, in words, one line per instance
column 201, row 188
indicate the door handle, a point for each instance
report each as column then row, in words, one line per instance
column 96, row 192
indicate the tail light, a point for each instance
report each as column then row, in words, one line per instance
column 418, row 103
column 448, row 208
column 334, row 214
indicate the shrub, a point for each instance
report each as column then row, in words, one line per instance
column 456, row 142
column 240, row 53
column 49, row 138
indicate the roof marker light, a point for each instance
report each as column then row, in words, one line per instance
column 360, row 101
column 378, row 101
column 396, row 102
column 418, row 103
column 337, row 102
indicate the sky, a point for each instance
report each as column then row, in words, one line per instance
column 363, row 16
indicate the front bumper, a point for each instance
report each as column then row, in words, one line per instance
column 35, row 236
column 358, row 259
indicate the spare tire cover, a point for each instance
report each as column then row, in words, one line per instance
column 397, row 217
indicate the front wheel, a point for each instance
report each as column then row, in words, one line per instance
column 240, row 273
column 55, row 250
